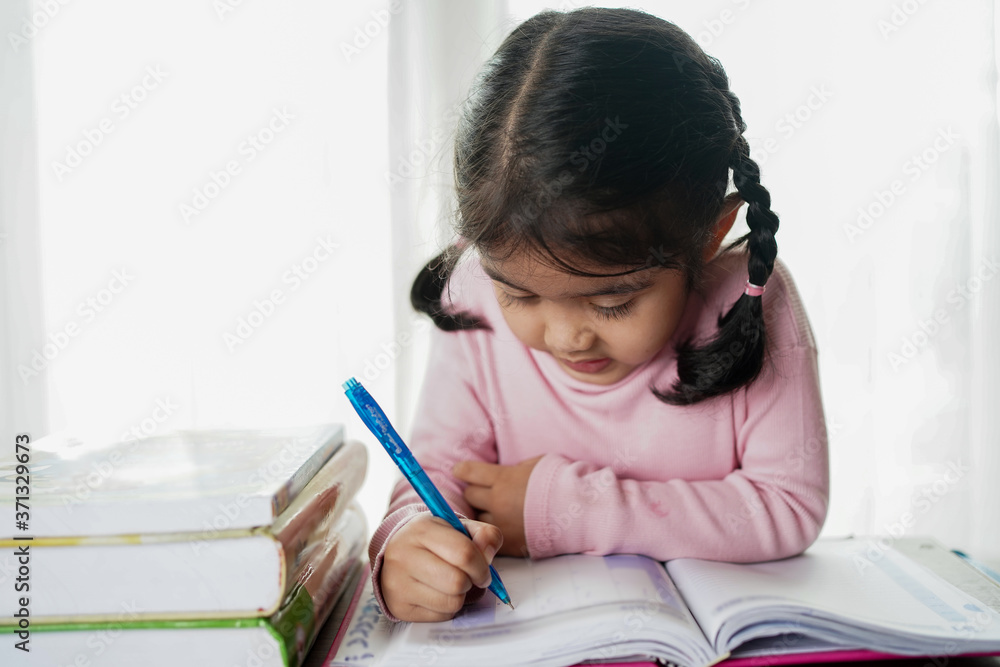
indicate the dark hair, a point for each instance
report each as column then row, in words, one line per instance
column 605, row 137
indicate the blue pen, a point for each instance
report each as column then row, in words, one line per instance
column 376, row 421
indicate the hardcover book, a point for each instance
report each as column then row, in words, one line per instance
column 279, row 640
column 232, row 573
column 183, row 481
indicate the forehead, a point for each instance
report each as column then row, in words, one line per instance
column 540, row 278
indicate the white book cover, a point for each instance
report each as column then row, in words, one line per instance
column 228, row 574
column 182, row 481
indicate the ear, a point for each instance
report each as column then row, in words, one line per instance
column 730, row 208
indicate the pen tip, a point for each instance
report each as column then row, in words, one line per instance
column 511, row 605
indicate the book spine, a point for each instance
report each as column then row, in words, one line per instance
column 332, row 440
column 317, row 589
column 306, row 529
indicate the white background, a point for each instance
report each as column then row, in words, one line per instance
column 894, row 77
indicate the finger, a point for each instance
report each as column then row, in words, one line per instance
column 476, row 472
column 405, row 597
column 455, row 549
column 417, row 614
column 486, row 536
column 407, row 610
column 431, row 570
column 478, row 496
column 435, row 601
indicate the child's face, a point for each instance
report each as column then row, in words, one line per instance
column 598, row 329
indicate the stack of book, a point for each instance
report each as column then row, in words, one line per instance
column 225, row 547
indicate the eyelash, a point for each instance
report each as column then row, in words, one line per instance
column 619, row 312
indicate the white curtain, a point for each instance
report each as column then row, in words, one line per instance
column 435, row 50
column 23, row 406
column 195, row 219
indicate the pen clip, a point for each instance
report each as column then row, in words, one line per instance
column 373, row 417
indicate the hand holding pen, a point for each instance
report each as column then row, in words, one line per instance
column 429, row 565
column 429, row 568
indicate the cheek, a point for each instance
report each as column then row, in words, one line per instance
column 638, row 339
column 527, row 328
column 632, row 344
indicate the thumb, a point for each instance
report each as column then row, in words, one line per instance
column 485, row 536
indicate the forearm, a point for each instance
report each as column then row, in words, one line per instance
column 573, row 507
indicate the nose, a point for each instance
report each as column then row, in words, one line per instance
column 566, row 335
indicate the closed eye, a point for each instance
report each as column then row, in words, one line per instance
column 618, row 312
column 507, row 300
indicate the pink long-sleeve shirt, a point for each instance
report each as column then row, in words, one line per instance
column 741, row 477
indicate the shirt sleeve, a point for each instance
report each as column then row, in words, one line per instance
column 452, row 423
column 771, row 506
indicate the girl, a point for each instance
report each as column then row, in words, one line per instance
column 602, row 378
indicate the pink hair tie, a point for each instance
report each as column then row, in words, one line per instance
column 754, row 290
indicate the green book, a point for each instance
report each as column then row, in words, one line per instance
column 280, row 640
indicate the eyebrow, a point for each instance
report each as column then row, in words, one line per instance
column 622, row 286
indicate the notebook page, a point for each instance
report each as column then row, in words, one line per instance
column 566, row 605
column 566, row 583
column 563, row 604
column 835, row 577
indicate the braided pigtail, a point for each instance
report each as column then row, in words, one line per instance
column 428, row 289
column 735, row 356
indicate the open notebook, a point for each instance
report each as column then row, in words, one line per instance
column 912, row 599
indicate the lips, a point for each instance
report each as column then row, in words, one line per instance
column 587, row 366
